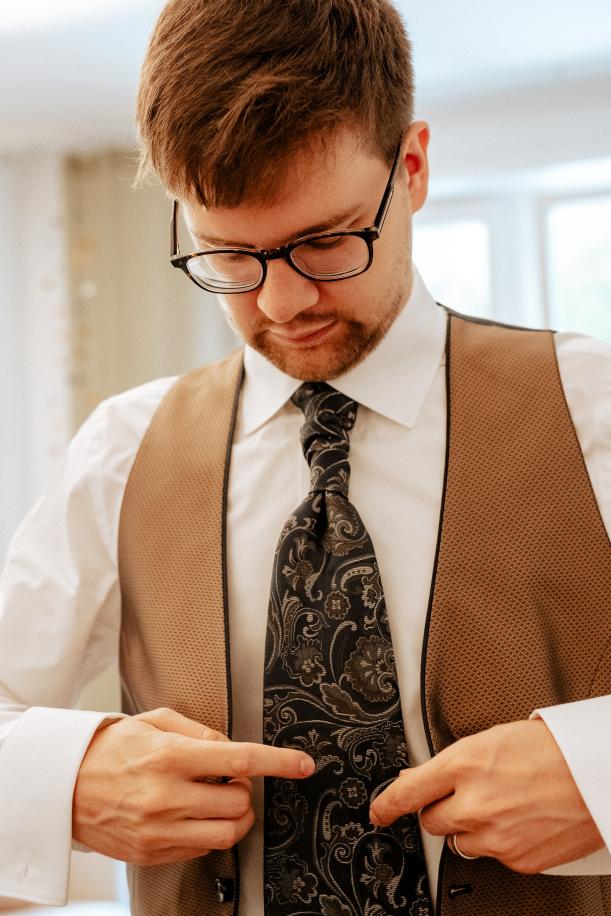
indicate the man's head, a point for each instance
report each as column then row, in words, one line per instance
column 269, row 117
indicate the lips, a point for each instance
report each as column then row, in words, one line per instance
column 297, row 338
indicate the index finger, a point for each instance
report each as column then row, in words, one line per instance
column 241, row 758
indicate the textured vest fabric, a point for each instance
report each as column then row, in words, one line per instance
column 174, row 648
column 519, row 614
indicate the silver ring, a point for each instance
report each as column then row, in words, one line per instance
column 452, row 843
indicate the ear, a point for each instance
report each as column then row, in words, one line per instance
column 415, row 157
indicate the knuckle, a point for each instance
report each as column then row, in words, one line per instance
column 241, row 762
column 463, row 762
column 137, row 857
column 161, row 713
column 242, row 802
column 526, row 868
column 152, row 803
column 161, row 759
column 235, row 834
column 384, row 810
column 243, row 826
column 510, row 861
column 144, row 847
column 428, row 820
column 400, row 799
column 517, row 858
column 468, row 812
column 194, row 853
column 505, row 850
column 497, row 846
column 148, row 836
column 150, row 857
column 228, row 836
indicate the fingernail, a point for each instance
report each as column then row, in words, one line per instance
column 307, row 766
column 375, row 820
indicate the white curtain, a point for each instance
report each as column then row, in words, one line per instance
column 89, row 306
column 35, row 406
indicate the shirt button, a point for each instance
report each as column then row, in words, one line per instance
column 225, row 890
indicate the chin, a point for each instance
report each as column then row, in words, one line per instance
column 317, row 364
column 349, row 345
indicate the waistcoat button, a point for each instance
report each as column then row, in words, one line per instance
column 225, row 890
column 457, row 889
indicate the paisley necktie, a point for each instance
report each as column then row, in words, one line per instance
column 330, row 689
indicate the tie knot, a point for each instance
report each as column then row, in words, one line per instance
column 329, row 417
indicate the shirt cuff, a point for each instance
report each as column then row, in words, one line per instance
column 39, row 763
column 582, row 731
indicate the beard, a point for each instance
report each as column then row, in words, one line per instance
column 347, row 343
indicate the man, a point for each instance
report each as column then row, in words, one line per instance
column 285, row 132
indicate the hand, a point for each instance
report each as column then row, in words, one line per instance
column 142, row 793
column 507, row 792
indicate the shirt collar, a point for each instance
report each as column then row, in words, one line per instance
column 393, row 379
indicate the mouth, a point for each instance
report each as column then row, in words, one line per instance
column 312, row 337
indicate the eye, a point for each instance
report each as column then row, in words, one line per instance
column 326, row 244
column 234, row 257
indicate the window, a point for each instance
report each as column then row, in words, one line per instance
column 530, row 248
column 454, row 260
column 578, row 261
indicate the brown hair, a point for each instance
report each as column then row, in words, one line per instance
column 230, row 89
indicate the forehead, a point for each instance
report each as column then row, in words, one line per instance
column 344, row 180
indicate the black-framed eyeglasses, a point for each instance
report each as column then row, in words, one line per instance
column 326, row 256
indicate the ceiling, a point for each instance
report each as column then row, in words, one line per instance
column 69, row 78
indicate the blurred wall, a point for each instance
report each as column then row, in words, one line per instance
column 490, row 133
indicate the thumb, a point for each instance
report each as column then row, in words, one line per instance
column 168, row 720
column 413, row 789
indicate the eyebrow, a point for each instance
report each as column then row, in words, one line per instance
column 332, row 223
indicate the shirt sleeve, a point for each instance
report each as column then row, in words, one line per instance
column 38, row 766
column 60, row 611
column 582, row 729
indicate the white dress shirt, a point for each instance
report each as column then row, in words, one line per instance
column 60, row 606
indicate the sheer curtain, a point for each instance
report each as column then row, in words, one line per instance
column 35, row 404
column 89, row 306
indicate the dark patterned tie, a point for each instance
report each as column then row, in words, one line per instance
column 331, row 690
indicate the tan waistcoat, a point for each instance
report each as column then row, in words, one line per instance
column 519, row 614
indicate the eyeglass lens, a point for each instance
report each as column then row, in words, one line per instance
column 329, row 258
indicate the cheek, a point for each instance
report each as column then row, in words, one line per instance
column 242, row 311
column 360, row 298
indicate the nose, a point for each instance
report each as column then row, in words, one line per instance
column 285, row 293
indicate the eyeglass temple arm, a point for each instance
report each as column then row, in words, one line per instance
column 381, row 214
column 174, row 230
